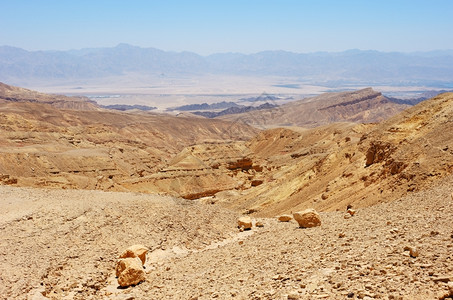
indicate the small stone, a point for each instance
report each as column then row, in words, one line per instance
column 245, row 222
column 441, row 279
column 450, row 288
column 259, row 224
column 293, row 296
column 351, row 212
column 307, row 218
column 130, row 271
column 285, row 218
column 341, row 235
column 413, row 252
column 256, row 182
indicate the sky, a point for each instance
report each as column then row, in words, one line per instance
column 246, row 26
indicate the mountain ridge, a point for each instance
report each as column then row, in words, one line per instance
column 17, row 64
column 361, row 106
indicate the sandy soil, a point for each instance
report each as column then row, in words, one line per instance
column 63, row 244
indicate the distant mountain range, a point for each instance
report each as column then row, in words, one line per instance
column 331, row 69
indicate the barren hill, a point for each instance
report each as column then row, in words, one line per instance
column 362, row 106
column 17, row 94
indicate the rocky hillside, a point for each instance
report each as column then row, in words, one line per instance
column 44, row 145
column 362, row 106
column 327, row 167
column 332, row 166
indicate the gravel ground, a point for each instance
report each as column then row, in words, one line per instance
column 63, row 244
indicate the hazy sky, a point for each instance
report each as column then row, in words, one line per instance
column 246, row 26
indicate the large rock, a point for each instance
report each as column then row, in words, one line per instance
column 130, row 271
column 139, row 251
column 307, row 218
column 245, row 222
